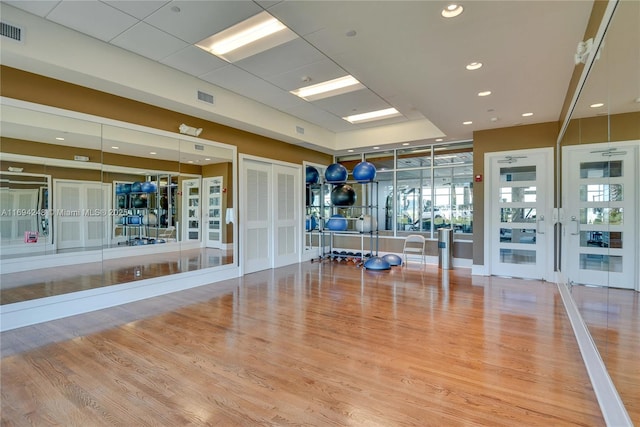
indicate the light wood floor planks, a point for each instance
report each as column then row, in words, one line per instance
column 310, row 344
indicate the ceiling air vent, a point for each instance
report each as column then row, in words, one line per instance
column 205, row 97
column 10, row 31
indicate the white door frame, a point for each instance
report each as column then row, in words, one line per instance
column 207, row 183
column 547, row 225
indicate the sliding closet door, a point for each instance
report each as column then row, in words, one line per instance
column 257, row 233
column 271, row 215
column 287, row 215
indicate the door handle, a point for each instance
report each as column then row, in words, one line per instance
column 574, row 219
column 538, row 224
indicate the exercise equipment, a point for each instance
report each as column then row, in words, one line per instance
column 311, row 223
column 366, row 223
column 150, row 219
column 148, row 187
column 336, row 173
column 313, row 176
column 376, row 263
column 139, row 201
column 343, row 195
column 136, row 187
column 337, row 223
column 364, row 172
column 393, row 259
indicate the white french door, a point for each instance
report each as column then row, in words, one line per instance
column 81, row 210
column 191, row 209
column 519, row 196
column 212, row 215
column 600, row 183
column 271, row 215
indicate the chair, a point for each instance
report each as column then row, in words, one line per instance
column 414, row 244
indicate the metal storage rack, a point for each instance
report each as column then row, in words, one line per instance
column 367, row 210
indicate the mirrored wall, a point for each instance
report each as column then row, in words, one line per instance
column 600, row 199
column 88, row 203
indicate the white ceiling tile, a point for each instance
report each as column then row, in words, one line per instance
column 37, row 7
column 148, row 41
column 317, row 72
column 137, row 8
column 347, row 104
column 292, row 55
column 94, row 18
column 195, row 61
column 197, row 20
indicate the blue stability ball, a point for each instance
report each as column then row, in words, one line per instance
column 313, row 176
column 311, row 223
column 343, row 195
column 148, row 187
column 393, row 259
column 376, row 263
column 364, row 172
column 336, row 173
column 136, row 187
column 337, row 223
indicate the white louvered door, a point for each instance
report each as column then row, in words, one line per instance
column 257, row 216
column 270, row 217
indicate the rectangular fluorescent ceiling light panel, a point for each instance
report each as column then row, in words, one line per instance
column 254, row 35
column 329, row 88
column 373, row 115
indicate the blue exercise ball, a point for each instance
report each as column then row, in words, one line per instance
column 337, row 223
column 311, row 223
column 148, row 187
column 343, row 195
column 313, row 176
column 393, row 259
column 336, row 173
column 364, row 172
column 136, row 187
column 123, row 188
column 376, row 263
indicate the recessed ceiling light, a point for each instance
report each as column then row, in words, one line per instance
column 452, row 10
column 115, row 147
column 467, row 123
column 59, row 138
column 207, row 159
column 329, row 88
column 474, row 66
column 439, row 139
column 527, row 114
column 372, row 115
column 152, row 152
column 405, row 143
column 597, row 105
column 190, row 161
column 349, row 151
column 376, row 148
column 485, row 93
column 249, row 37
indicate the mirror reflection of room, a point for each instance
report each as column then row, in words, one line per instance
column 100, row 205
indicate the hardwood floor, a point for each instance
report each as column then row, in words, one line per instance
column 309, row 344
column 46, row 282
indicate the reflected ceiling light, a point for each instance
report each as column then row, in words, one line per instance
column 405, row 143
column 373, row 115
column 59, row 138
column 439, row 140
column 249, row 37
column 596, row 105
column 485, row 93
column 15, row 169
column 527, row 114
column 329, row 88
column 467, row 123
column 376, row 148
column 474, row 66
column 115, row 147
column 452, row 10
column 152, row 152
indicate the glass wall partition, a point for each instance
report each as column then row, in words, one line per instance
column 422, row 189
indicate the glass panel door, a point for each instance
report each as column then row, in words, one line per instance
column 521, row 197
column 213, row 211
column 599, row 216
